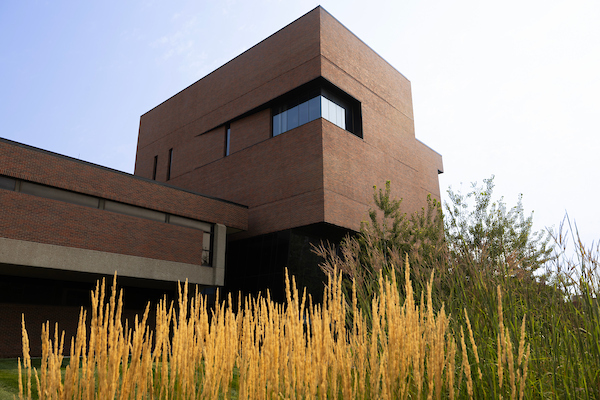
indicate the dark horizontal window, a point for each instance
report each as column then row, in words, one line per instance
column 54, row 193
column 7, row 183
column 310, row 110
column 317, row 99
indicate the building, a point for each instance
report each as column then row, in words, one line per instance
column 66, row 223
column 298, row 128
column 235, row 177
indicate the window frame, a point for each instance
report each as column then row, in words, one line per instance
column 348, row 108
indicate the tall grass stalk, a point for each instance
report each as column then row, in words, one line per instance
column 267, row 350
column 553, row 319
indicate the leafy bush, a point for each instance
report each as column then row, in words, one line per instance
column 499, row 241
column 383, row 243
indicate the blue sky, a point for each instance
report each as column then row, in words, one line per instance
column 507, row 88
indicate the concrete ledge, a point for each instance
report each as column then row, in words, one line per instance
column 21, row 252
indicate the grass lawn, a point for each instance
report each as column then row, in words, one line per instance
column 9, row 378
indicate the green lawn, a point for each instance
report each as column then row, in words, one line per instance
column 9, row 378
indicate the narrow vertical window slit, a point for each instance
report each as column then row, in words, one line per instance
column 170, row 164
column 227, row 139
column 154, row 168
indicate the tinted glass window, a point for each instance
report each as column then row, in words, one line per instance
column 227, row 140
column 292, row 118
column 276, row 124
column 303, row 113
column 316, row 99
column 333, row 112
column 325, row 108
column 309, row 111
column 341, row 117
column 284, row 123
column 314, row 108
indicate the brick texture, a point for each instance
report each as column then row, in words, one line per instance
column 41, row 220
column 273, row 178
column 316, row 172
column 36, row 315
column 250, row 131
column 47, row 168
column 276, row 65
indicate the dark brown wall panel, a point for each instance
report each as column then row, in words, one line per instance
column 281, row 167
column 250, row 131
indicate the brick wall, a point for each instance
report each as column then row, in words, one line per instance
column 280, row 179
column 389, row 150
column 24, row 162
column 41, row 220
column 356, row 61
column 36, row 315
column 273, row 176
column 351, row 168
column 250, row 131
column 265, row 71
column 278, row 64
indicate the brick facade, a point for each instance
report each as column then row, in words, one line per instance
column 63, row 224
column 315, row 173
column 276, row 195
column 52, row 249
column 35, row 165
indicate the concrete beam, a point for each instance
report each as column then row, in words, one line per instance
column 21, row 252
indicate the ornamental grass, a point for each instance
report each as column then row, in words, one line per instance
column 262, row 349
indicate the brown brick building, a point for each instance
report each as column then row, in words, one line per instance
column 298, row 128
column 66, row 223
column 272, row 152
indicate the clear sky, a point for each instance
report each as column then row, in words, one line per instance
column 509, row 88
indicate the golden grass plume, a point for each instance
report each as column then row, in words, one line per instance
column 263, row 349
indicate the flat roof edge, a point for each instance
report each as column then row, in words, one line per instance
column 90, row 164
column 234, row 58
column 428, row 147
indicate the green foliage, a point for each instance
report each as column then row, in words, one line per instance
column 420, row 236
column 481, row 244
column 9, row 378
column 499, row 240
column 383, row 243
